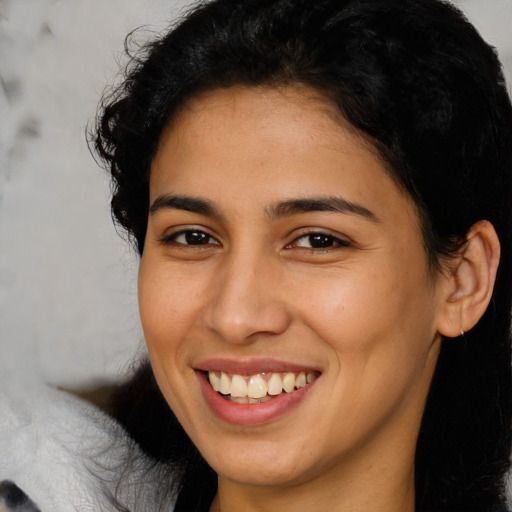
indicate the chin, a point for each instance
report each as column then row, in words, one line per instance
column 259, row 463
column 263, row 475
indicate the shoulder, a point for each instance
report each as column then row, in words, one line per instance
column 64, row 454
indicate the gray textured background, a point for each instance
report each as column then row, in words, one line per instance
column 68, row 312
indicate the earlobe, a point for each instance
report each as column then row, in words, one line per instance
column 468, row 288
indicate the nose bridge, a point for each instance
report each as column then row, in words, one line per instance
column 245, row 299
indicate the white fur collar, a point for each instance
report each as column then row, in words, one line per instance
column 68, row 456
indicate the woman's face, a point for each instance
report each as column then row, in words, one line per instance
column 279, row 252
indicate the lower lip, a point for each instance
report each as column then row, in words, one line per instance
column 250, row 414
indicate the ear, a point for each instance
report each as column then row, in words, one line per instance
column 468, row 282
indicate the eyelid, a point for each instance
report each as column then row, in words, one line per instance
column 169, row 237
column 340, row 240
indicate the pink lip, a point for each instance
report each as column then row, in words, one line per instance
column 250, row 414
column 251, row 367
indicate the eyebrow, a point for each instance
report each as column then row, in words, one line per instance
column 320, row 204
column 187, row 203
column 281, row 209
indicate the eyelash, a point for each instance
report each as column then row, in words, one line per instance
column 322, row 239
column 169, row 239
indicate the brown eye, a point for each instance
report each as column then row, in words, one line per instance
column 191, row 237
column 319, row 241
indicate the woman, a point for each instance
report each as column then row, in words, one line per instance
column 320, row 196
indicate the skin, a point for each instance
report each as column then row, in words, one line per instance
column 366, row 311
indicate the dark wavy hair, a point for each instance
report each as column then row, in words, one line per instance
column 416, row 79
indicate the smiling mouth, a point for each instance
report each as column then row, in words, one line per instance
column 258, row 388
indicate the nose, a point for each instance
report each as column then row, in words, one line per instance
column 247, row 300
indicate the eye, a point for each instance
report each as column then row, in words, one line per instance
column 191, row 237
column 319, row 241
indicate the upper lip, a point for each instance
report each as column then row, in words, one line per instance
column 252, row 366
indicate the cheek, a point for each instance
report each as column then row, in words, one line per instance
column 379, row 333
column 169, row 301
column 345, row 301
column 167, row 309
column 371, row 315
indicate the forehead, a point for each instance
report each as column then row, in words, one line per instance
column 266, row 114
column 269, row 144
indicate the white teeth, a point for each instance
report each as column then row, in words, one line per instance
column 247, row 400
column 300, row 381
column 275, row 384
column 225, row 384
column 289, row 382
column 238, row 386
column 214, row 381
column 239, row 400
column 257, row 387
column 261, row 400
